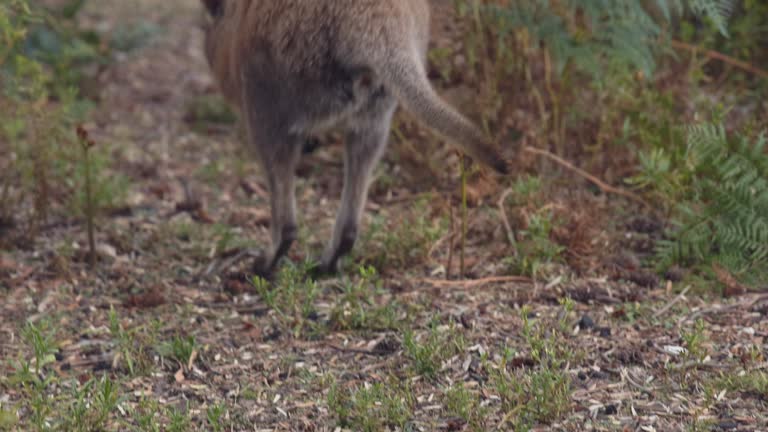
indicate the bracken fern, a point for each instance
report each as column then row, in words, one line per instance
column 724, row 217
column 586, row 33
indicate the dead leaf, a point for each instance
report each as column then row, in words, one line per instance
column 179, row 375
column 152, row 298
column 236, row 287
column 192, row 359
column 7, row 263
column 251, row 331
column 732, row 286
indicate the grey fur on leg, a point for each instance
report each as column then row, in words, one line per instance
column 366, row 141
column 280, row 152
column 283, row 226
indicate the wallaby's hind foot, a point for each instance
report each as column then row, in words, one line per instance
column 261, row 268
column 265, row 265
column 330, row 263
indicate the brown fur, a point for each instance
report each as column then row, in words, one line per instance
column 295, row 68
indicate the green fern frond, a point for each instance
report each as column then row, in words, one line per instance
column 591, row 33
column 724, row 217
column 718, row 11
column 669, row 7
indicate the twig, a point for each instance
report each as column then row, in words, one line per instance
column 722, row 309
column 505, row 221
column 243, row 309
column 674, row 301
column 605, row 187
column 436, row 245
column 450, row 242
column 508, row 416
column 693, row 364
column 377, row 353
column 86, row 144
column 748, row 67
column 472, row 283
column 625, row 374
column 407, row 198
column 217, row 265
column 463, row 168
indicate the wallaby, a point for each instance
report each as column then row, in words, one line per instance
column 295, row 68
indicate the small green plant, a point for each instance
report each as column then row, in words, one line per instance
column 33, row 379
column 146, row 415
column 404, row 244
column 632, row 311
column 357, row 308
column 292, row 299
column 92, row 405
column 86, row 407
column 695, row 341
column 526, row 189
column 541, row 394
column 372, row 407
column 133, row 345
column 754, row 382
column 537, row 251
column 215, row 415
column 42, row 340
column 463, row 403
column 8, row 419
column 45, row 164
column 179, row 420
column 93, row 188
column 179, row 348
column 429, row 353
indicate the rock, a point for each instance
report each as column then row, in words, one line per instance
column 586, row 322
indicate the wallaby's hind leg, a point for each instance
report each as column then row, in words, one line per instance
column 365, row 143
column 279, row 154
column 281, row 179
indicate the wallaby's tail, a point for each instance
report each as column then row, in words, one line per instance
column 408, row 80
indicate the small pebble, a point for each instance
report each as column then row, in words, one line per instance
column 586, row 322
column 610, row 410
column 727, row 425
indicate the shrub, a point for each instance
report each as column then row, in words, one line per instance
column 44, row 164
column 722, row 213
column 587, row 33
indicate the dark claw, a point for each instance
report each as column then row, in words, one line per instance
column 260, row 268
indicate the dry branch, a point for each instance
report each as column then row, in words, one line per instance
column 745, row 66
column 472, row 283
column 605, row 187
